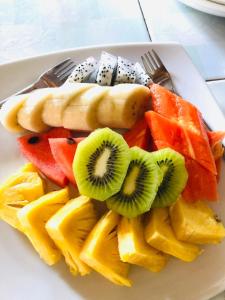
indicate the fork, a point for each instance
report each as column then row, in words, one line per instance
column 156, row 70
column 53, row 77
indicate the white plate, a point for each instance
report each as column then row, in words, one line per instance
column 209, row 7
column 24, row 276
column 218, row 1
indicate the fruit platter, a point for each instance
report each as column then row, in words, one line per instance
column 114, row 173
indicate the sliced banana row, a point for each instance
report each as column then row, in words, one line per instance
column 76, row 106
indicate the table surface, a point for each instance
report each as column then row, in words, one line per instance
column 29, row 28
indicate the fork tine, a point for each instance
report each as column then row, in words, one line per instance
column 160, row 63
column 149, row 62
column 153, row 61
column 66, row 72
column 55, row 68
column 146, row 65
column 66, row 68
column 63, row 67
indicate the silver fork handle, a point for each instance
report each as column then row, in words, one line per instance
column 28, row 89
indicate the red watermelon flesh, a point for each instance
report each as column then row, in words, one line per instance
column 138, row 135
column 201, row 184
column 63, row 151
column 36, row 148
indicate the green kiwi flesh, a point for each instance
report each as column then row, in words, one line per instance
column 140, row 185
column 100, row 164
column 172, row 165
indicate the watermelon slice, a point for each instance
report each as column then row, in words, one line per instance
column 201, row 184
column 138, row 135
column 36, row 148
column 63, row 151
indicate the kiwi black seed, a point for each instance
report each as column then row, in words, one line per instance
column 172, row 165
column 101, row 163
column 139, row 187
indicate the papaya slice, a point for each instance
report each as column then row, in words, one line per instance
column 173, row 107
column 215, row 137
column 169, row 133
column 138, row 135
column 215, row 141
column 201, row 184
column 164, row 102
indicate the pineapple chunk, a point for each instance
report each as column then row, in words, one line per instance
column 101, row 252
column 134, row 249
column 28, row 167
column 17, row 191
column 33, row 218
column 69, row 228
column 196, row 223
column 159, row 234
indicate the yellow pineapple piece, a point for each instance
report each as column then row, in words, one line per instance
column 33, row 218
column 101, row 252
column 196, row 223
column 16, row 192
column 69, row 228
column 134, row 249
column 159, row 234
column 28, row 167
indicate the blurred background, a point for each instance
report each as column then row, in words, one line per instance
column 31, row 27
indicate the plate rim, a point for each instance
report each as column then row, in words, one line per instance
column 206, row 6
column 91, row 47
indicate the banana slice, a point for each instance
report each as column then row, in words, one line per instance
column 81, row 113
column 9, row 111
column 30, row 115
column 123, row 105
column 54, row 107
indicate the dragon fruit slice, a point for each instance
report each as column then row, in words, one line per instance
column 125, row 71
column 82, row 71
column 92, row 77
column 141, row 76
column 107, row 65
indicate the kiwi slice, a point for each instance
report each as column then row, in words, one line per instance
column 172, row 165
column 139, row 187
column 100, row 164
